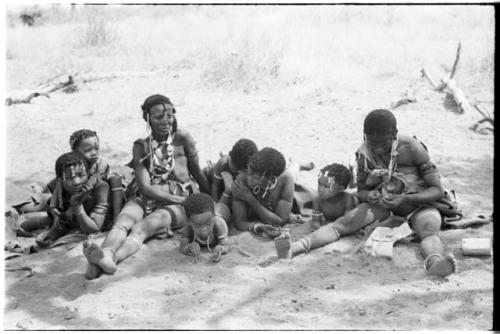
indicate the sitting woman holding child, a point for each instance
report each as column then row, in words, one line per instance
column 166, row 172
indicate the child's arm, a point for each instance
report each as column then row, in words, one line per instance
column 221, row 232
column 91, row 223
column 194, row 163
column 155, row 192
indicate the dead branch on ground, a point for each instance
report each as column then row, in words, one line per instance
column 449, row 85
column 72, row 82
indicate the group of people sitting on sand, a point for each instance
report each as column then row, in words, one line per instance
column 170, row 193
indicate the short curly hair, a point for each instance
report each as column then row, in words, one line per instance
column 268, row 162
column 198, row 203
column 69, row 159
column 380, row 122
column 79, row 135
column 340, row 172
column 241, row 153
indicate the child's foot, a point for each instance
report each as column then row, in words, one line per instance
column 92, row 272
column 97, row 256
column 306, row 166
column 442, row 266
column 228, row 181
column 283, row 244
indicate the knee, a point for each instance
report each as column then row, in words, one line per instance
column 124, row 222
column 427, row 224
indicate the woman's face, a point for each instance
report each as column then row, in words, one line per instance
column 161, row 119
column 89, row 148
column 380, row 144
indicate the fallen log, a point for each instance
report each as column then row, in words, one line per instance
column 449, row 85
column 70, row 83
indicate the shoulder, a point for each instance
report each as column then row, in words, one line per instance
column 412, row 147
column 182, row 137
column 286, row 176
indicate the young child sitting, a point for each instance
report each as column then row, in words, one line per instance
column 233, row 163
column 206, row 226
column 332, row 200
column 86, row 143
column 81, row 205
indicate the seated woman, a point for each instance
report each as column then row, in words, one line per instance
column 264, row 192
column 395, row 176
column 167, row 171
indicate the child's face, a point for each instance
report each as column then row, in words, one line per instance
column 380, row 144
column 89, row 148
column 202, row 224
column 74, row 177
column 254, row 179
column 161, row 119
column 327, row 189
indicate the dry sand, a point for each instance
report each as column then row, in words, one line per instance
column 158, row 288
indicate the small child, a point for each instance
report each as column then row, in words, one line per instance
column 332, row 200
column 82, row 205
column 206, row 226
column 233, row 163
column 86, row 143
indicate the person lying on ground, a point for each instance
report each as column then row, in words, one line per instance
column 395, row 176
column 234, row 162
column 206, row 227
column 263, row 192
column 82, row 204
column 166, row 170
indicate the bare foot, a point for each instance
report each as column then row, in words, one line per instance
column 97, row 256
column 306, row 166
column 228, row 181
column 444, row 266
column 283, row 244
column 93, row 271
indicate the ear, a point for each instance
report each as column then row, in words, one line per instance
column 395, row 133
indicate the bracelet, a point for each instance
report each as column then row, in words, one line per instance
column 225, row 195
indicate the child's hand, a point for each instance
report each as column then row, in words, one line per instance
column 217, row 253
column 241, row 191
column 271, row 231
column 77, row 198
column 192, row 249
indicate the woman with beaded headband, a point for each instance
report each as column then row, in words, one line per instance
column 166, row 172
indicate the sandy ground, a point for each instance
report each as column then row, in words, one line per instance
column 158, row 288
